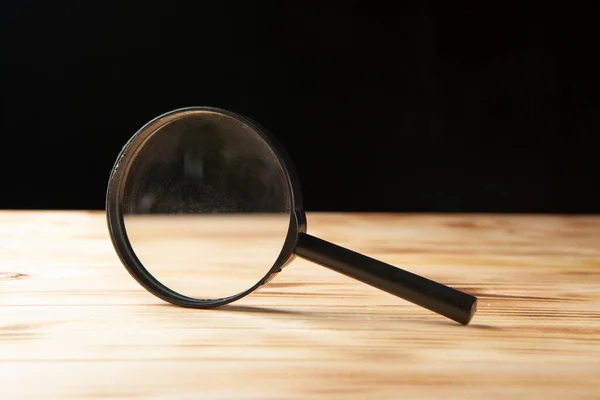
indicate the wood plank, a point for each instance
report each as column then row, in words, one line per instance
column 74, row 324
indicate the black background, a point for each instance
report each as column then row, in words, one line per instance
column 416, row 106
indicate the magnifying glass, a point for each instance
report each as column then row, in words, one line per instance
column 204, row 207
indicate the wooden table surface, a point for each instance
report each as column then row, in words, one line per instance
column 75, row 325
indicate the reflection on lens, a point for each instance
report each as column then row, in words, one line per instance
column 206, row 205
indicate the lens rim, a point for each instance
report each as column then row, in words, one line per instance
column 116, row 223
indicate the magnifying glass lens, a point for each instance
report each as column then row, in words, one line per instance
column 206, row 205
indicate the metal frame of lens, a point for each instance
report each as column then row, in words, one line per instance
column 116, row 223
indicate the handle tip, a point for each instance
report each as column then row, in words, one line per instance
column 469, row 315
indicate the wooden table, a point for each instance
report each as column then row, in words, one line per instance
column 75, row 325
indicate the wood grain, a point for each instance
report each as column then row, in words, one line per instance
column 75, row 325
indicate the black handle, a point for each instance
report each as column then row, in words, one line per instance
column 426, row 293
